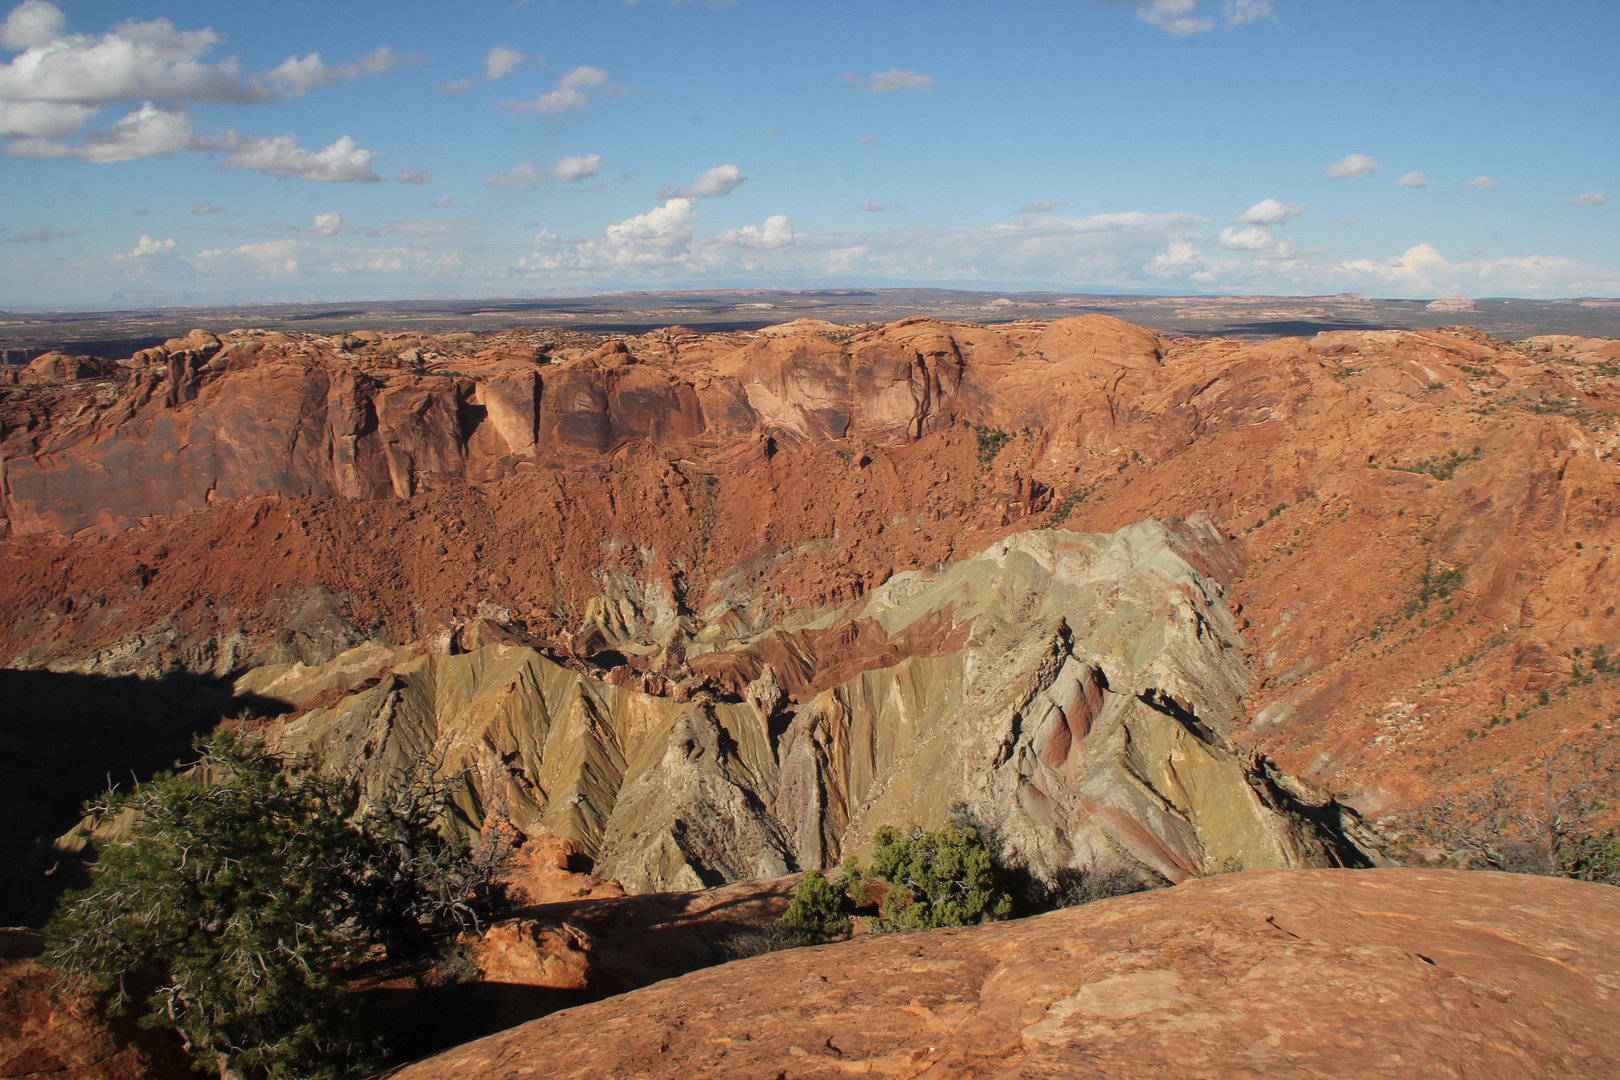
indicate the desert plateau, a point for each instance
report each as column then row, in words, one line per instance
column 709, row 609
column 675, row 539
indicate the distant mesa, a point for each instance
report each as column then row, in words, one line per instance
column 1452, row 303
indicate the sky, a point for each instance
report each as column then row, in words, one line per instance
column 184, row 152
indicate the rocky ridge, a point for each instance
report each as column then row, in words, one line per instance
column 1072, row 692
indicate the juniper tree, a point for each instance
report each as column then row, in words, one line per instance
column 943, row 878
column 819, row 911
column 233, row 901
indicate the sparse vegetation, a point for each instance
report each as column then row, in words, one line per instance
column 819, row 911
column 1442, row 468
column 990, row 441
column 234, row 901
column 1554, row 818
column 943, row 878
column 1060, row 513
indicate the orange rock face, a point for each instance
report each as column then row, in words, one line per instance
column 530, row 953
column 1427, row 518
column 46, row 1034
column 551, row 870
column 1344, row 973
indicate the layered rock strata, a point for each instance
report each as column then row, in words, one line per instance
column 1070, row 692
column 1426, row 518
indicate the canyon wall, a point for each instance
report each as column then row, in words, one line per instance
column 1416, row 534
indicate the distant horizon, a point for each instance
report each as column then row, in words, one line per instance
column 156, row 153
column 118, row 332
column 200, row 304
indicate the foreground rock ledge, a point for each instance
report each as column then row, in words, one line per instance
column 1302, row 973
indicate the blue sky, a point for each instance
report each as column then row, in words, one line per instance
column 183, row 152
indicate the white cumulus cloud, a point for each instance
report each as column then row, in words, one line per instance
column 526, row 174
column 44, row 119
column 270, row 259
column 710, row 184
column 134, row 60
column 1184, row 19
column 207, row 208
column 502, row 61
column 1242, row 12
column 1482, row 183
column 574, row 169
column 147, row 132
column 299, row 259
column 31, row 23
column 59, row 81
column 1352, row 165
column 296, row 75
column 1414, row 179
column 443, row 202
column 147, row 246
column 659, row 230
column 342, row 162
column 153, row 132
column 1253, row 238
column 1175, row 17
column 1423, row 271
column 777, row 232
column 410, row 174
column 327, row 224
column 1268, row 211
column 891, row 81
column 570, row 94
column 522, row 175
column 1587, row 198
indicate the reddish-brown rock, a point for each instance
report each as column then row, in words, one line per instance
column 758, row 477
column 527, row 952
column 549, row 869
column 44, row 1033
column 1341, row 973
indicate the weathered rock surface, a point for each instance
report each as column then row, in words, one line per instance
column 528, row 952
column 1337, row 973
column 44, row 1033
column 1073, row 691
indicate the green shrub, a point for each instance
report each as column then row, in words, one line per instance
column 819, row 911
column 233, row 902
column 943, row 878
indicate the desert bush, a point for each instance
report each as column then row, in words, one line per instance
column 943, row 878
column 819, row 911
column 746, row 943
column 233, row 901
column 1076, row 885
column 1555, row 818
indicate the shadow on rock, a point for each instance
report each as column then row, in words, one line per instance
column 66, row 738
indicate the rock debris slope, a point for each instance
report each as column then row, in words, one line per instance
column 1072, row 690
column 1349, row 974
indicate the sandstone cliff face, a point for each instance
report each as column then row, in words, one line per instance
column 202, row 420
column 1367, row 974
column 1076, row 699
column 679, row 506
